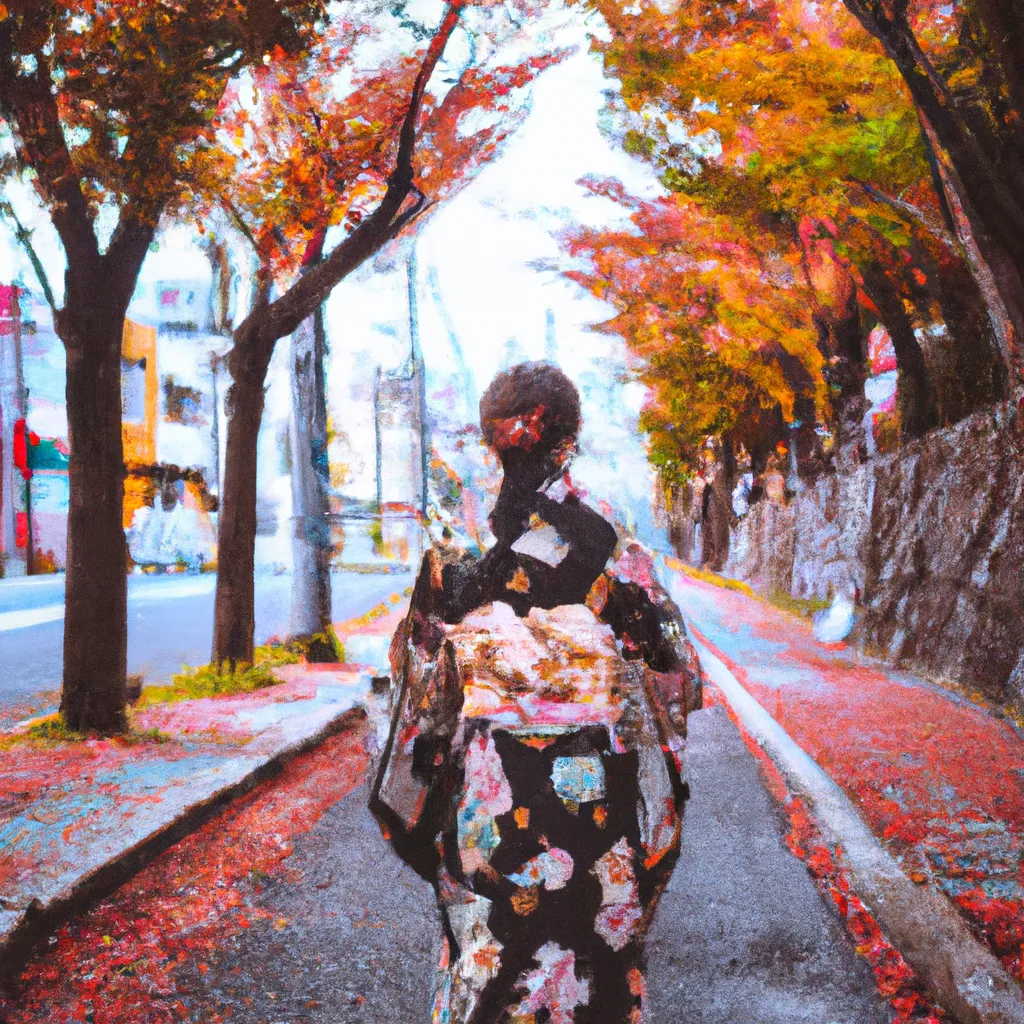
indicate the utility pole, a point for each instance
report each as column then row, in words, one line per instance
column 219, row 317
column 418, row 380
column 378, row 442
column 13, row 409
column 215, row 421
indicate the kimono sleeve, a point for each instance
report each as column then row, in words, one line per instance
column 410, row 788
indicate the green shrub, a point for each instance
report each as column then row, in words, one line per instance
column 214, row 681
column 801, row 606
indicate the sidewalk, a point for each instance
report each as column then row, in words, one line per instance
column 77, row 818
column 937, row 779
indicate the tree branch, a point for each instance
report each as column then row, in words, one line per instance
column 909, row 210
column 24, row 237
column 312, row 288
column 31, row 101
column 403, row 172
column 136, row 227
column 419, row 207
column 239, row 221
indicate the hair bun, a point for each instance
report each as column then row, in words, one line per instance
column 527, row 405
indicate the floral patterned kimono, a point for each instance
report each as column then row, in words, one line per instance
column 533, row 774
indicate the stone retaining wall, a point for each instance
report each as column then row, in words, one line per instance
column 933, row 539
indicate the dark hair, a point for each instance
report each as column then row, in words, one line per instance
column 532, row 404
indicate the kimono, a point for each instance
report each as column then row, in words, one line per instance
column 534, row 774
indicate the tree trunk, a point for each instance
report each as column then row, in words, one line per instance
column 977, row 376
column 1003, row 21
column 811, row 459
column 989, row 178
column 234, row 604
column 915, row 396
column 311, row 534
column 982, row 182
column 842, row 341
column 679, row 516
column 96, row 587
column 716, row 510
column 999, row 283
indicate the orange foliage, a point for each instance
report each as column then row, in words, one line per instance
column 310, row 143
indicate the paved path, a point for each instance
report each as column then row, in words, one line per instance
column 937, row 778
column 289, row 907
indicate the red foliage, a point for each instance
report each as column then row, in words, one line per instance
column 314, row 143
column 938, row 779
column 895, row 980
column 118, row 962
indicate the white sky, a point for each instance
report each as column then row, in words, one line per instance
column 481, row 247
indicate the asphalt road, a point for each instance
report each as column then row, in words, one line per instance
column 289, row 908
column 170, row 623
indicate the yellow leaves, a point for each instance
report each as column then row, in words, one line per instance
column 715, row 312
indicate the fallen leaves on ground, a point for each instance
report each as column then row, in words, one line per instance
column 118, row 962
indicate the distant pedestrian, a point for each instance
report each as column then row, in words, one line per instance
column 533, row 772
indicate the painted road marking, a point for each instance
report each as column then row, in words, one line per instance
column 25, row 617
column 170, row 590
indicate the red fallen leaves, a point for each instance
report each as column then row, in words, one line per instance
column 927, row 794
column 939, row 780
column 117, row 962
column 1004, row 925
column 28, row 772
column 894, row 979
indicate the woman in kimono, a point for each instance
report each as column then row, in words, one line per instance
column 533, row 772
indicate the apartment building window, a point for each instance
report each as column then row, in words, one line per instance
column 133, row 390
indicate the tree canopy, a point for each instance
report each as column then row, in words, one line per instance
column 112, row 103
column 801, row 211
column 361, row 135
column 311, row 142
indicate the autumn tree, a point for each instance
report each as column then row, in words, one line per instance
column 963, row 64
column 787, row 123
column 718, row 326
column 109, row 104
column 348, row 143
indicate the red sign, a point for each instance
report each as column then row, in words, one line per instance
column 8, row 300
column 23, row 437
column 8, row 307
column 21, row 529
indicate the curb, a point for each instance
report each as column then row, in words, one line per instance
column 959, row 972
column 1012, row 713
column 24, row 930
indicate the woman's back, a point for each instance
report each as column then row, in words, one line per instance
column 533, row 767
column 525, row 776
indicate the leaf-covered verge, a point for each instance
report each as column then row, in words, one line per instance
column 53, row 731
column 137, row 955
